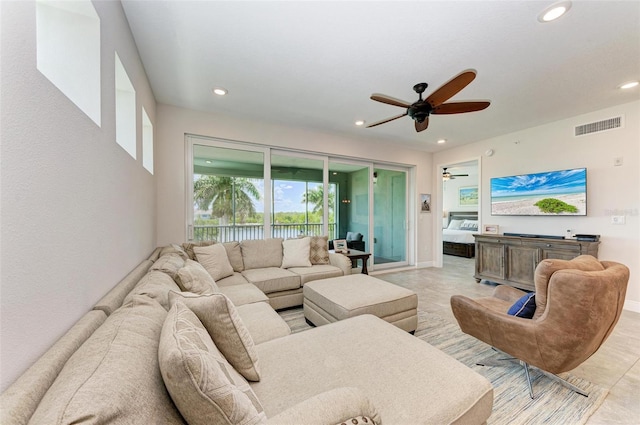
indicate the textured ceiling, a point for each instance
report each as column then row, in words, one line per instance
column 315, row 64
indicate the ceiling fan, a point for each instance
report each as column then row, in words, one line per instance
column 420, row 110
column 448, row 176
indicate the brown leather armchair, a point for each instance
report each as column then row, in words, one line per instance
column 578, row 303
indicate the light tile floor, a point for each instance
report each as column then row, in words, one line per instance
column 615, row 366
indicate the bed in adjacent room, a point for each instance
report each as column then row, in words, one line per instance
column 457, row 237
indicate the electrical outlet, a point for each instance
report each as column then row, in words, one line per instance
column 617, row 219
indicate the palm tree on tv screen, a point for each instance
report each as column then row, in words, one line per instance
column 217, row 193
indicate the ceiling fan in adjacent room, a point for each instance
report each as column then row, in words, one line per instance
column 446, row 175
column 420, row 110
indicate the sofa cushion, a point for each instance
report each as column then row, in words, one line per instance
column 194, row 278
column 114, row 377
column 272, row 279
column 261, row 253
column 320, row 271
column 319, row 250
column 188, row 247
column 295, row 253
column 234, row 253
column 203, row 385
column 174, row 249
column 245, row 293
column 220, row 318
column 214, row 259
column 155, row 285
column 262, row 322
column 169, row 264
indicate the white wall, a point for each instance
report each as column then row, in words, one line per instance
column 174, row 122
column 611, row 190
column 78, row 213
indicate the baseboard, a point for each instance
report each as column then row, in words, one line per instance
column 425, row 264
column 632, row 306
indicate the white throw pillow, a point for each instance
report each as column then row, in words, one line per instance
column 214, row 259
column 296, row 253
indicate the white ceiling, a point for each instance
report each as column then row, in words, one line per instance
column 315, row 64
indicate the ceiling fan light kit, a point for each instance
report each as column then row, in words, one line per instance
column 420, row 110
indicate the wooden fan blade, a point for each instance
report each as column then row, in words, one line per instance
column 460, row 107
column 451, row 88
column 387, row 120
column 389, row 100
column 422, row 125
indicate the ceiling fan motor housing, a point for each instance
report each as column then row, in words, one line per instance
column 419, row 111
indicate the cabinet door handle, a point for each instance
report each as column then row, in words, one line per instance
column 548, row 245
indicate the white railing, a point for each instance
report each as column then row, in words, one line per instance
column 256, row 231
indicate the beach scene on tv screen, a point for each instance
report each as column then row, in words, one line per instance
column 549, row 193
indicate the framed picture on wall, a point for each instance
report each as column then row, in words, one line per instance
column 468, row 196
column 425, row 203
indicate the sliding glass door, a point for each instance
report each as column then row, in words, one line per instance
column 238, row 191
column 390, row 217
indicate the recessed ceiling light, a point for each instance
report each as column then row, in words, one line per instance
column 219, row 91
column 208, row 161
column 359, row 122
column 554, row 11
column 441, row 141
column 629, row 85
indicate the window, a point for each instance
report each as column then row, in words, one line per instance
column 68, row 51
column 125, row 110
column 147, row 142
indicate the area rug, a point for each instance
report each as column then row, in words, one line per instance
column 553, row 403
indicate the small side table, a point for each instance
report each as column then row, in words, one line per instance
column 355, row 255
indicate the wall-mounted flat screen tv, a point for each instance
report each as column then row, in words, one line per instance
column 553, row 193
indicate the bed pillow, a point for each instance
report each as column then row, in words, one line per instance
column 455, row 224
column 469, row 225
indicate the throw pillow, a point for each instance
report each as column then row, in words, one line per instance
column 193, row 277
column 221, row 320
column 524, row 307
column 319, row 250
column 169, row 264
column 174, row 249
column 203, row 385
column 295, row 253
column 188, row 247
column 214, row 259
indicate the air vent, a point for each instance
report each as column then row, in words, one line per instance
column 596, row 127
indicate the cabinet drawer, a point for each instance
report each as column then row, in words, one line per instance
column 556, row 246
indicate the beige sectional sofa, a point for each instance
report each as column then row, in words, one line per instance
column 125, row 361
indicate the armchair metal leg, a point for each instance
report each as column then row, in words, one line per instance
column 525, row 365
column 526, row 374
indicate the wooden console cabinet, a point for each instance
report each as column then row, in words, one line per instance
column 512, row 260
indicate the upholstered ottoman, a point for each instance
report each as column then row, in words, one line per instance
column 338, row 298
